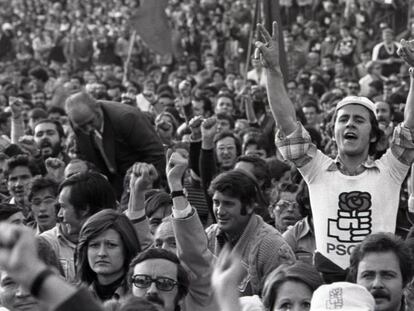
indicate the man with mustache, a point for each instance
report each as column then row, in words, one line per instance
column 159, row 277
column 382, row 264
column 49, row 137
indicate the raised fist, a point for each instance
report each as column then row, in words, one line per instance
column 55, row 169
column 209, row 127
column 184, row 88
column 28, row 144
column 195, row 127
column 143, row 176
column 177, row 163
column 16, row 106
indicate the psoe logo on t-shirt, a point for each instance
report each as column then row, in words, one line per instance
column 353, row 223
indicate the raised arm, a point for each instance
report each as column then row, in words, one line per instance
column 409, row 105
column 143, row 176
column 189, row 234
column 282, row 108
column 406, row 52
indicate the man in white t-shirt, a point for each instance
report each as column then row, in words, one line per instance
column 351, row 196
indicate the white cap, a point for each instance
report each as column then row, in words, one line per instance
column 356, row 100
column 342, row 296
column 6, row 26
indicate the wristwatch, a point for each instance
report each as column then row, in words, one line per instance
column 179, row 193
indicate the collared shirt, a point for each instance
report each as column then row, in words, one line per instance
column 261, row 247
column 64, row 250
column 347, row 207
column 298, row 148
column 301, row 239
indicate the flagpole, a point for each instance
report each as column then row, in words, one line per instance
column 128, row 59
column 249, row 48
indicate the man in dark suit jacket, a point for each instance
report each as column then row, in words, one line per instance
column 113, row 136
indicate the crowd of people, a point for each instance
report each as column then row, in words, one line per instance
column 233, row 173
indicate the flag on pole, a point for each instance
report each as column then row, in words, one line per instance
column 151, row 24
column 270, row 13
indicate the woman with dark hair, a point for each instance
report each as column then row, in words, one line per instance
column 290, row 287
column 107, row 243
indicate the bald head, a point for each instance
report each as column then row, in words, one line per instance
column 164, row 236
column 80, row 99
column 84, row 112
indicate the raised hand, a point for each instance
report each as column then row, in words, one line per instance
column 185, row 89
column 143, row 176
column 55, row 169
column 208, row 131
column 27, row 143
column 268, row 49
column 195, row 127
column 406, row 51
column 177, row 163
column 16, row 106
column 225, row 279
column 18, row 254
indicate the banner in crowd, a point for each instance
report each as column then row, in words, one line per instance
column 151, row 23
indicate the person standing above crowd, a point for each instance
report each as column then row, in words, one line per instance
column 340, row 221
column 385, row 53
column 107, row 135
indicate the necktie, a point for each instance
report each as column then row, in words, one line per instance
column 97, row 138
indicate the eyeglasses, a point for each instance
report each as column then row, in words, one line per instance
column 162, row 283
column 282, row 204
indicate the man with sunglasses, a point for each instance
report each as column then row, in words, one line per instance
column 285, row 210
column 159, row 277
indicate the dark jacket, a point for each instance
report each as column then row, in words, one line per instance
column 128, row 137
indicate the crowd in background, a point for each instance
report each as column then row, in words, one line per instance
column 157, row 176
